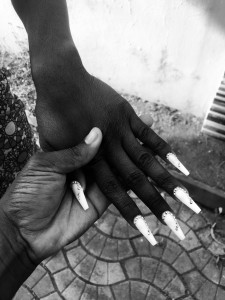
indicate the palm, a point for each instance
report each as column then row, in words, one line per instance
column 55, row 218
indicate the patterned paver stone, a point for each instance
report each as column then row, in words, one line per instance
column 110, row 250
column 207, row 290
column 63, row 279
column 138, row 290
column 113, row 261
column 122, row 290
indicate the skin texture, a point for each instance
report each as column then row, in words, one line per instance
column 42, row 206
column 70, row 100
column 39, row 213
column 90, row 102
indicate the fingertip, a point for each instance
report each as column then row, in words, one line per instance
column 94, row 137
column 147, row 119
column 99, row 133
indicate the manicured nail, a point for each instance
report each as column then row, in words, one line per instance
column 79, row 194
column 142, row 226
column 91, row 137
column 184, row 197
column 173, row 224
column 172, row 158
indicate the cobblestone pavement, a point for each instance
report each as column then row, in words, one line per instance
column 113, row 261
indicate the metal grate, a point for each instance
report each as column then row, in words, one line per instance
column 214, row 123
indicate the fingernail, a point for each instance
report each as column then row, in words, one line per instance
column 142, row 226
column 173, row 224
column 184, row 197
column 79, row 194
column 172, row 158
column 91, row 137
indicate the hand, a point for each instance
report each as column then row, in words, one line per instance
column 71, row 100
column 41, row 206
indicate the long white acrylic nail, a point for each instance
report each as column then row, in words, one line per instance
column 173, row 224
column 172, row 158
column 79, row 194
column 142, row 226
column 184, row 197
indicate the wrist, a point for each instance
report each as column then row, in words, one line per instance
column 15, row 264
column 53, row 73
column 46, row 48
column 46, row 23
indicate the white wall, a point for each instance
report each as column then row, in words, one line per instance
column 172, row 51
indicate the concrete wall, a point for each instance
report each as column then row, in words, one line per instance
column 172, row 51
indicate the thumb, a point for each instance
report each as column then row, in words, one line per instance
column 67, row 160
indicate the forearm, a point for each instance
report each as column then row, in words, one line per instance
column 46, row 22
column 15, row 266
column 50, row 40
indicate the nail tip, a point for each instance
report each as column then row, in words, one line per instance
column 173, row 159
column 140, row 223
column 197, row 209
column 171, row 221
column 84, row 205
column 184, row 197
column 156, row 243
column 153, row 242
column 182, row 237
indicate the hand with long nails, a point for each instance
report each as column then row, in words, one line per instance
column 167, row 217
column 41, row 205
column 70, row 102
column 39, row 213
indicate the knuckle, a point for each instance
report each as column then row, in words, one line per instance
column 96, row 161
column 166, row 180
column 159, row 144
column 110, row 187
column 145, row 159
column 144, row 132
column 36, row 157
column 126, row 207
column 124, row 105
column 36, row 160
column 76, row 153
column 134, row 178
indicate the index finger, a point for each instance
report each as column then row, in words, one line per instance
column 160, row 147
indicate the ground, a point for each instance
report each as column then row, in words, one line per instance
column 111, row 260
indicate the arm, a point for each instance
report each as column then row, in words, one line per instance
column 50, row 40
column 70, row 100
column 23, row 247
column 46, row 23
column 39, row 214
column 15, row 265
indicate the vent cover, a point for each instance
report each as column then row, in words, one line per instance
column 214, row 123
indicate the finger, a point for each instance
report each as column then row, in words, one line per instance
column 136, row 180
column 156, row 143
column 77, row 175
column 79, row 194
column 97, row 198
column 152, row 168
column 77, row 181
column 147, row 119
column 112, row 189
column 68, row 160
